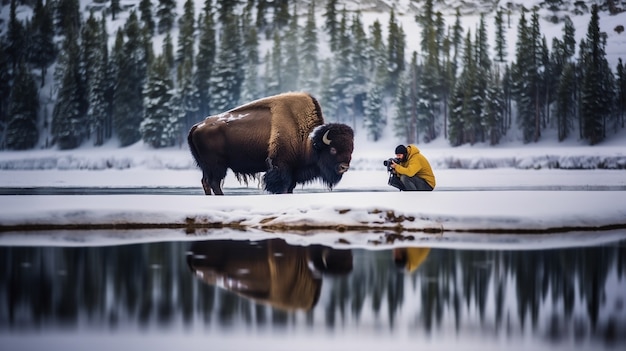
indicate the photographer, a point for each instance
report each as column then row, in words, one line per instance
column 410, row 171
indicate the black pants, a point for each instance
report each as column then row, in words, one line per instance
column 405, row 183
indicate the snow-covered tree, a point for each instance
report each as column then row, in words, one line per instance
column 374, row 121
column 291, row 66
column 131, row 74
column 158, row 108
column 166, row 16
column 69, row 122
column 42, row 50
column 227, row 75
column 309, row 67
column 21, row 130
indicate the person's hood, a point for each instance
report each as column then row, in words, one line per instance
column 412, row 150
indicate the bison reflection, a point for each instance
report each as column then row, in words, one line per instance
column 270, row 272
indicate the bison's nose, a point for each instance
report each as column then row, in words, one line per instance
column 343, row 168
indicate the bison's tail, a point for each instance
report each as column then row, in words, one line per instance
column 192, row 147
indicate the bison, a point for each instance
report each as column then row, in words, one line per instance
column 283, row 135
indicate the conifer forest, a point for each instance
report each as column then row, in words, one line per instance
column 71, row 77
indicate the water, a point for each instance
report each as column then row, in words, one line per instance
column 269, row 294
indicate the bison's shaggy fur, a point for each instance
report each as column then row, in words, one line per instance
column 283, row 136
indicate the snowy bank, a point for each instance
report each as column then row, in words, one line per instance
column 400, row 212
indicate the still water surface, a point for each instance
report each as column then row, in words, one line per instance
column 269, row 294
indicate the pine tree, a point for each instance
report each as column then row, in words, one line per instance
column 187, row 104
column 525, row 76
column 21, row 131
column 5, row 92
column 373, row 120
column 282, row 18
column 291, row 68
column 457, row 42
column 493, row 108
column 569, row 39
column 482, row 46
column 565, row 104
column 360, row 61
column 621, row 91
column 225, row 9
column 99, row 103
column 145, row 10
column 128, row 96
column 429, row 89
column 69, row 127
column 115, row 8
column 68, row 18
column 413, row 81
column 261, row 19
column 273, row 71
column 42, row 50
column 501, row 44
column 166, row 15
column 341, row 77
column 205, row 59
column 168, row 52
column 250, row 90
column 328, row 97
column 99, row 88
column 15, row 38
column 331, row 25
column 377, row 55
column 158, row 109
column 402, row 116
column 310, row 71
column 426, row 20
column 395, row 54
column 456, row 120
column 596, row 94
column 90, row 49
column 227, row 75
column 186, row 34
column 475, row 86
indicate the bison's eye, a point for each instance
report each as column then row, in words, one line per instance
column 333, row 151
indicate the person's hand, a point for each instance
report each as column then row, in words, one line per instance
column 393, row 164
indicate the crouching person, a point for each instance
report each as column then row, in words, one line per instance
column 410, row 170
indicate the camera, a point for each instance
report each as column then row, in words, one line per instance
column 388, row 162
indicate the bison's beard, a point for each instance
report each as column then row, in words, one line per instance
column 330, row 175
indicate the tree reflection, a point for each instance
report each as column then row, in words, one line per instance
column 556, row 294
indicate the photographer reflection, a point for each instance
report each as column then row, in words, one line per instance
column 410, row 170
column 269, row 271
column 409, row 258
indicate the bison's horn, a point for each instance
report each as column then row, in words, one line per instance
column 325, row 138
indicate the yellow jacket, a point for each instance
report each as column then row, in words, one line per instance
column 416, row 164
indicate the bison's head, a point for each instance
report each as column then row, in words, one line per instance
column 333, row 144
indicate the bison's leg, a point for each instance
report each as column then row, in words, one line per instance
column 216, row 185
column 212, row 181
column 206, row 186
column 291, row 187
column 277, row 180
